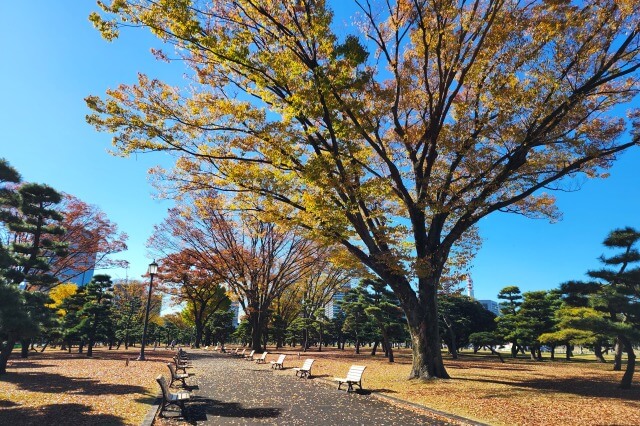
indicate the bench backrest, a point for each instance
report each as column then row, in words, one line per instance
column 163, row 385
column 280, row 359
column 355, row 373
column 243, row 352
column 251, row 354
column 263, row 356
column 307, row 364
column 172, row 369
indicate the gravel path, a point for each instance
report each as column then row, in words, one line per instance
column 229, row 390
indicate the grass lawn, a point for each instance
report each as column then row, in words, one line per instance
column 517, row 392
column 56, row 388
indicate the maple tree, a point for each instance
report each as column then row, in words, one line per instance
column 394, row 136
column 90, row 238
column 198, row 287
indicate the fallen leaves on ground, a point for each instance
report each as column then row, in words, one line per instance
column 517, row 392
column 56, row 387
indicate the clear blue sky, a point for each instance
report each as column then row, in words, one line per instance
column 52, row 58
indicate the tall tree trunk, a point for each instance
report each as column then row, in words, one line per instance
column 198, row 333
column 24, row 352
column 617, row 356
column 388, row 346
column 425, row 339
column 597, row 350
column 451, row 341
column 514, row 349
column 374, row 349
column 627, row 378
column 256, row 332
column 5, row 353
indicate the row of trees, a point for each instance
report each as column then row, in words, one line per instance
column 46, row 238
column 391, row 137
column 603, row 313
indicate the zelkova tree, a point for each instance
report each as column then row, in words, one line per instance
column 394, row 136
column 255, row 260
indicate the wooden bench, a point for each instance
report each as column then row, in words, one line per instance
column 305, row 370
column 170, row 398
column 250, row 356
column 181, row 365
column 278, row 364
column 354, row 377
column 234, row 352
column 263, row 358
column 241, row 354
column 175, row 376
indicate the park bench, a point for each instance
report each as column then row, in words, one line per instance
column 354, row 377
column 170, row 398
column 180, row 365
column 305, row 370
column 241, row 354
column 250, row 356
column 278, row 364
column 234, row 352
column 263, row 358
column 175, row 376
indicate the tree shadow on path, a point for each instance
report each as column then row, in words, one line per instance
column 199, row 408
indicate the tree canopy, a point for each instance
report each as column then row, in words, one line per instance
column 393, row 136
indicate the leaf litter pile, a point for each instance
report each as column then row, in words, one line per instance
column 55, row 387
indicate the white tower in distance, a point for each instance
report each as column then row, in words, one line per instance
column 470, row 286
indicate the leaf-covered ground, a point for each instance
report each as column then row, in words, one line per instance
column 56, row 388
column 518, row 392
column 60, row 388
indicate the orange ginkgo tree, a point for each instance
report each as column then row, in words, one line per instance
column 393, row 135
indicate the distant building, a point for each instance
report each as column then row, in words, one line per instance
column 332, row 308
column 82, row 279
column 491, row 306
column 235, row 308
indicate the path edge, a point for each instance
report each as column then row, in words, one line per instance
column 153, row 411
column 399, row 401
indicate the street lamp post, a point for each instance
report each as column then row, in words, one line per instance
column 153, row 268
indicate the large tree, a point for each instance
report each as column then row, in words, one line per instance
column 257, row 261
column 393, row 136
column 188, row 282
column 35, row 232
